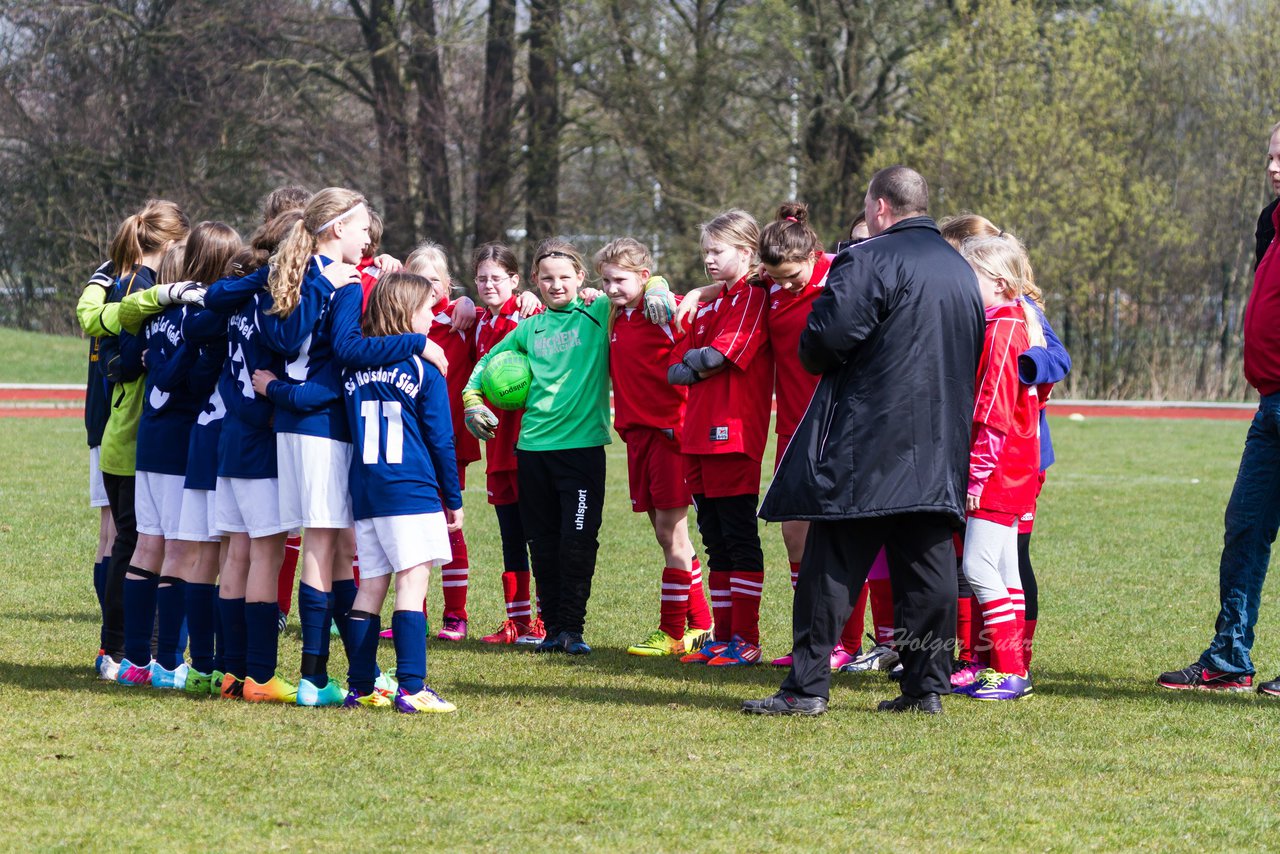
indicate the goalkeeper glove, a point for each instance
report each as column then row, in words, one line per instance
column 659, row 305
column 480, row 420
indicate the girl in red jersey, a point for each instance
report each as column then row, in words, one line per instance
column 1004, row 462
column 429, row 261
column 729, row 370
column 649, row 416
column 794, row 272
column 497, row 276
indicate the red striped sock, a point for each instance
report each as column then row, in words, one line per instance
column 515, row 591
column 1001, row 626
column 1019, row 601
column 455, row 577
column 745, row 591
column 722, row 605
column 674, row 600
column 979, row 641
column 882, row 609
column 698, row 613
column 851, row 637
column 288, row 572
column 355, row 569
column 964, row 624
column 795, row 573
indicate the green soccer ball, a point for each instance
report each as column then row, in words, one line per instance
column 506, row 379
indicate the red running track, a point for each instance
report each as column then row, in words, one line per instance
column 33, row 401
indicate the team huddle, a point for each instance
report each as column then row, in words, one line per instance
column 241, row 393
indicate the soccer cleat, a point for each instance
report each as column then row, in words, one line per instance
column 783, row 661
column 992, row 685
column 1270, row 689
column 737, row 654
column 879, row 657
column 840, row 659
column 454, row 629
column 695, row 638
column 333, row 629
column 572, row 643
column 965, row 676
column 386, row 634
column 281, row 621
column 175, row 679
column 108, row 668
column 232, row 688
column 1197, row 676
column 785, row 703
column 372, row 700
column 425, row 700
column 508, row 633
column 658, row 643
column 385, row 685
column 896, row 672
column 197, row 683
column 536, row 635
column 706, row 652
column 274, row 690
column 928, row 704
column 549, row 643
column 309, row 695
column 133, row 675
column 215, row 682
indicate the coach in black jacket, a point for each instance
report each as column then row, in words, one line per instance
column 881, row 457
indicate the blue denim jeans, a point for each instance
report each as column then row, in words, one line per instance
column 1252, row 518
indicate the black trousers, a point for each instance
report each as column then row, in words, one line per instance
column 922, row 570
column 120, row 498
column 561, row 504
column 730, row 532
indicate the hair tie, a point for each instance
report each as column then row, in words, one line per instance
column 792, row 219
column 339, row 218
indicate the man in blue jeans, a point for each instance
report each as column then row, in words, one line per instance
column 1253, row 513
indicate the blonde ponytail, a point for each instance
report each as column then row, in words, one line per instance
column 289, row 263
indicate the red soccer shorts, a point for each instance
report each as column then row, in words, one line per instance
column 721, row 475
column 503, row 487
column 655, row 471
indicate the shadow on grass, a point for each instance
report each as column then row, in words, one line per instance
column 605, row 695
column 1099, row 686
column 52, row 616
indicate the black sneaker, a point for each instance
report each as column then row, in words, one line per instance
column 785, row 703
column 1197, row 676
column 928, row 704
column 1271, row 689
column 572, row 643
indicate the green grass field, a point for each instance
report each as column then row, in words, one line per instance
column 30, row 357
column 622, row 753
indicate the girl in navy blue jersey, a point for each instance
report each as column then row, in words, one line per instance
column 313, row 441
column 274, row 313
column 404, row 493
column 170, row 410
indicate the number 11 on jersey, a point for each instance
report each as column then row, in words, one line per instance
column 373, row 412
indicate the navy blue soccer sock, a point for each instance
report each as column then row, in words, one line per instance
column 171, row 608
column 202, row 617
column 362, row 650
column 314, row 609
column 232, row 626
column 100, row 578
column 261, row 641
column 139, row 615
column 344, row 596
column 409, row 629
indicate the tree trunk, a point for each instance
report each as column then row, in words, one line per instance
column 493, row 165
column 378, row 26
column 431, row 127
column 542, row 179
